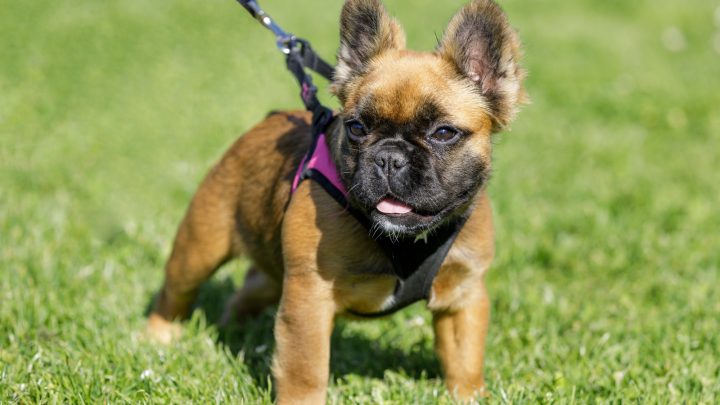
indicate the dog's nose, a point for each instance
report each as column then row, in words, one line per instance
column 390, row 161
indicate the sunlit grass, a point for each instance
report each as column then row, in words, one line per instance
column 605, row 192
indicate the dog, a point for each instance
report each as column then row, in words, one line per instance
column 412, row 145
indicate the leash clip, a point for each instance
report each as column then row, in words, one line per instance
column 284, row 40
column 288, row 44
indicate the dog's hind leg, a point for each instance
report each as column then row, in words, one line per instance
column 205, row 240
column 258, row 292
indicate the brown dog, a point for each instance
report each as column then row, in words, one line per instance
column 412, row 145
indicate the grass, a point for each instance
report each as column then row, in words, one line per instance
column 606, row 200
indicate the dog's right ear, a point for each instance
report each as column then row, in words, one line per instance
column 366, row 31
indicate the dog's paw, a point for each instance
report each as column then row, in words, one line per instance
column 161, row 331
column 471, row 395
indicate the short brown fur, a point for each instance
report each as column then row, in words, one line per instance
column 306, row 252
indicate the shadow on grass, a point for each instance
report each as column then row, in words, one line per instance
column 352, row 353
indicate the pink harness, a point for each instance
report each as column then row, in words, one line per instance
column 414, row 264
column 320, row 162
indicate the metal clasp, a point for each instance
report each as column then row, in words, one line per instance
column 285, row 41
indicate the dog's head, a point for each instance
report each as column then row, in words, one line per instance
column 416, row 143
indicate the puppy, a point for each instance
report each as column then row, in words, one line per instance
column 412, row 146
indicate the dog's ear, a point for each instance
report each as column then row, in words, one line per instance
column 366, row 31
column 483, row 47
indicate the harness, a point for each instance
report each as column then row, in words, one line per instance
column 415, row 262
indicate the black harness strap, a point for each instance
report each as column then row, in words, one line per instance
column 300, row 52
column 415, row 262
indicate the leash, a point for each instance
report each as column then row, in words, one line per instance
column 299, row 56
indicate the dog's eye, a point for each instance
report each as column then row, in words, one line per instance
column 356, row 130
column 445, row 134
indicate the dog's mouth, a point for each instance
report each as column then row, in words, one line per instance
column 397, row 216
column 392, row 207
column 400, row 218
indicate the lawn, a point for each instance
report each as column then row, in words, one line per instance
column 606, row 196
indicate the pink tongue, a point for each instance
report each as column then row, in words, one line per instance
column 390, row 206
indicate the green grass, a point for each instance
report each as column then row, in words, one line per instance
column 606, row 193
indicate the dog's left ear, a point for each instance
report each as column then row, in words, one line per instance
column 366, row 31
column 483, row 47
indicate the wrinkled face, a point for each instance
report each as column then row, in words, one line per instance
column 416, row 145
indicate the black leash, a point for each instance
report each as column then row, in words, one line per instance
column 299, row 56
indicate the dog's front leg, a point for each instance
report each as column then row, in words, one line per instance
column 460, row 343
column 302, row 336
column 306, row 314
